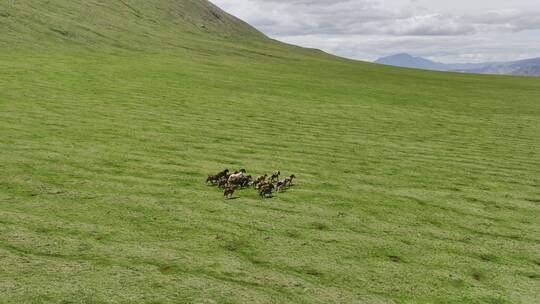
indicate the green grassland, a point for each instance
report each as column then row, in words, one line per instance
column 413, row 186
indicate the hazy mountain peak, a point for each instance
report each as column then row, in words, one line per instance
column 527, row 67
column 409, row 61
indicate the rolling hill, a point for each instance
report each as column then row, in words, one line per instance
column 413, row 186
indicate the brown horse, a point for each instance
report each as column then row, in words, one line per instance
column 289, row 180
column 229, row 191
column 266, row 190
column 259, row 180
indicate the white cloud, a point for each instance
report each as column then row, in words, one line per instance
column 433, row 28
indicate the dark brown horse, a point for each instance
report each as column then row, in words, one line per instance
column 222, row 173
column 266, row 190
column 280, row 186
column 213, row 179
column 222, row 183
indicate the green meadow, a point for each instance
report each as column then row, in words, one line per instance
column 412, row 186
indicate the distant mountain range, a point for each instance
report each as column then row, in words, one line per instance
column 528, row 67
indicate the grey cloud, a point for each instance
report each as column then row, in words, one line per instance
column 430, row 28
column 302, row 17
column 513, row 20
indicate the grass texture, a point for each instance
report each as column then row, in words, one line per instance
column 413, row 186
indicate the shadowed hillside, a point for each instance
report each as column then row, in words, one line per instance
column 412, row 186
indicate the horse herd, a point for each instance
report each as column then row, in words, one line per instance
column 264, row 184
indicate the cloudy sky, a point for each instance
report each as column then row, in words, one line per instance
column 447, row 31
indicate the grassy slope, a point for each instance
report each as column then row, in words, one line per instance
column 105, row 146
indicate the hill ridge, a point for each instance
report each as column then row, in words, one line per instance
column 123, row 22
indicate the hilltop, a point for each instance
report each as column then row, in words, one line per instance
column 412, row 186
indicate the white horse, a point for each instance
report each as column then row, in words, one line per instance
column 236, row 176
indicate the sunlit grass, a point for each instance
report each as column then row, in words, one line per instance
column 413, row 187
